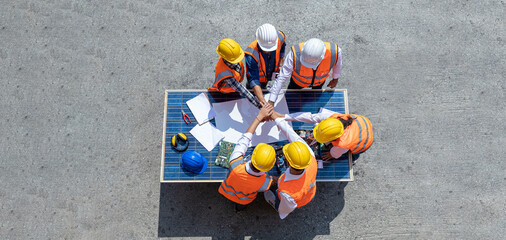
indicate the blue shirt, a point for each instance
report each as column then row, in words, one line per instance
column 270, row 65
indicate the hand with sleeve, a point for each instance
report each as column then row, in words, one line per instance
column 265, row 112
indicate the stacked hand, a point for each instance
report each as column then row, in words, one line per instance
column 327, row 156
column 265, row 112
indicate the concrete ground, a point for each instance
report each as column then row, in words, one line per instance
column 81, row 108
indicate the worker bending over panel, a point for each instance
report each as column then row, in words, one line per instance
column 346, row 132
column 309, row 64
column 230, row 70
column 297, row 185
column 247, row 174
column 263, row 57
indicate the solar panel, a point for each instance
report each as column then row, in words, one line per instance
column 298, row 101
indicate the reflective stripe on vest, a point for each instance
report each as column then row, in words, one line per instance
column 303, row 76
column 265, row 186
column 224, row 74
column 222, row 71
column 358, row 136
column 253, row 51
column 237, row 193
column 240, row 186
column 302, row 190
column 236, row 162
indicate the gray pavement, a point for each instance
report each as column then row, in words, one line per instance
column 81, row 110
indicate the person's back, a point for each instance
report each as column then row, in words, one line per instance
column 297, row 185
column 229, row 71
column 247, row 174
column 357, row 135
column 302, row 189
column 308, row 65
column 243, row 183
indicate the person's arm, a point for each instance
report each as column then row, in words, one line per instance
column 254, row 78
column 242, row 145
column 286, row 205
column 260, row 95
column 252, row 70
column 334, row 152
column 336, row 70
column 284, row 74
column 237, row 86
column 308, row 117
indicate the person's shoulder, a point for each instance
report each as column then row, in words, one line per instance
column 282, row 33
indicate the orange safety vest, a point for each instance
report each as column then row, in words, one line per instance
column 221, row 72
column 253, row 51
column 303, row 189
column 357, row 136
column 306, row 77
column 240, row 186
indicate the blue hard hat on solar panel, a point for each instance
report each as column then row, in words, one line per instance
column 193, row 162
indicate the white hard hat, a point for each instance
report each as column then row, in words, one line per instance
column 267, row 37
column 313, row 52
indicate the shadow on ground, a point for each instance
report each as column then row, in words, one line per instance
column 197, row 209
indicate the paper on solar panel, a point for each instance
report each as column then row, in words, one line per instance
column 234, row 117
column 201, row 108
column 207, row 135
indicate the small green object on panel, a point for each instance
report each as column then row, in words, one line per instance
column 224, row 152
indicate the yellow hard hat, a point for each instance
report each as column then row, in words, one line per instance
column 263, row 157
column 328, row 130
column 230, row 50
column 297, row 155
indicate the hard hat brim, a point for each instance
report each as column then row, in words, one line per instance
column 205, row 166
column 267, row 49
column 285, row 149
column 308, row 65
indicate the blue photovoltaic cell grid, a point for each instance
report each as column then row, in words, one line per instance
column 297, row 100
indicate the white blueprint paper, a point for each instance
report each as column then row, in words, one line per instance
column 234, row 117
column 207, row 134
column 201, row 108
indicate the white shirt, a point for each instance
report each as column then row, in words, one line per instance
column 240, row 149
column 242, row 146
column 287, row 69
column 287, row 204
column 250, row 171
column 308, row 117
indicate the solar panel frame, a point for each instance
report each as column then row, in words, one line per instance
column 175, row 100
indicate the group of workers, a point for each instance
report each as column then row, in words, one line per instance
column 308, row 64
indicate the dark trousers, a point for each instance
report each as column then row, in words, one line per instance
column 293, row 85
